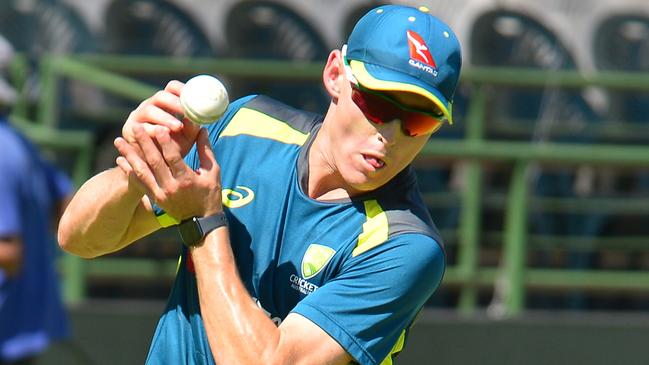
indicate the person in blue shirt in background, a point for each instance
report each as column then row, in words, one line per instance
column 33, row 194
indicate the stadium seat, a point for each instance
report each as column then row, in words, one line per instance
column 356, row 13
column 269, row 30
column 39, row 28
column 621, row 43
column 153, row 27
column 503, row 38
column 512, row 39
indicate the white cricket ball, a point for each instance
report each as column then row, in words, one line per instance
column 204, row 99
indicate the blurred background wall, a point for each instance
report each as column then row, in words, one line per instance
column 584, row 222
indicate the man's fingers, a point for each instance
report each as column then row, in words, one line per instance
column 126, row 167
column 205, row 152
column 174, row 87
column 170, row 102
column 153, row 157
column 162, row 113
column 123, row 164
column 123, row 147
column 172, row 153
column 140, row 168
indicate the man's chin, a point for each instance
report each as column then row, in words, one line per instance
column 366, row 184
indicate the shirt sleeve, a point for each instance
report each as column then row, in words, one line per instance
column 13, row 165
column 371, row 304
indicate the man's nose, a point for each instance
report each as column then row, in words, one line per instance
column 389, row 131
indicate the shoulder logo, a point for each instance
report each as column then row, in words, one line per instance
column 315, row 259
column 237, row 197
column 420, row 56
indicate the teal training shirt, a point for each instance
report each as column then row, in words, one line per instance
column 360, row 269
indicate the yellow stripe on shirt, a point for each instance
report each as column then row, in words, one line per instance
column 375, row 228
column 253, row 123
column 395, row 349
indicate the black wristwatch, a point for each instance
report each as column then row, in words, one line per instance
column 193, row 230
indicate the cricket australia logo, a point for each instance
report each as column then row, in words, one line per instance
column 315, row 259
column 237, row 197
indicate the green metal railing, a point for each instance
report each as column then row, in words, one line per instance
column 512, row 278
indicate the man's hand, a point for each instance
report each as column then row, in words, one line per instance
column 110, row 211
column 164, row 176
column 11, row 255
column 163, row 109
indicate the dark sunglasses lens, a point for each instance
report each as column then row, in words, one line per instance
column 365, row 105
column 417, row 124
column 377, row 110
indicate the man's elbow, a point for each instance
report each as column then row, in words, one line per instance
column 72, row 244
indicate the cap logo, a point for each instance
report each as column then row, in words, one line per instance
column 420, row 56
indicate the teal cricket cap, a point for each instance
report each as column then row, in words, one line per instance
column 401, row 48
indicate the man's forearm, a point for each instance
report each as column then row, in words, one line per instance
column 238, row 330
column 104, row 216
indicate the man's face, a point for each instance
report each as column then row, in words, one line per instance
column 369, row 154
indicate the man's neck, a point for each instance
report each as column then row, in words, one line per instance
column 322, row 170
column 324, row 181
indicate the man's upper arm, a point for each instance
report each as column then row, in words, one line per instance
column 305, row 343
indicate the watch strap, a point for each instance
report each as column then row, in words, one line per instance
column 212, row 222
column 193, row 230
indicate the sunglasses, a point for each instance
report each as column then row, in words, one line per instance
column 379, row 109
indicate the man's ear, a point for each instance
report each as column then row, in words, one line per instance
column 333, row 74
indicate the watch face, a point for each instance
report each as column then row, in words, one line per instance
column 190, row 232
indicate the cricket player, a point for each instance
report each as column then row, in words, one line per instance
column 306, row 240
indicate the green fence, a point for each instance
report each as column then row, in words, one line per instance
column 512, row 277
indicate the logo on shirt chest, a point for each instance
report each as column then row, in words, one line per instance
column 237, row 197
column 315, row 259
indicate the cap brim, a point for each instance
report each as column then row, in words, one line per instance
column 376, row 77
